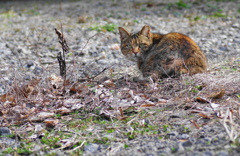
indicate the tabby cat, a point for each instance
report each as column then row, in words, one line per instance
column 166, row 55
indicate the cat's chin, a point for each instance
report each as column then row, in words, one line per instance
column 134, row 59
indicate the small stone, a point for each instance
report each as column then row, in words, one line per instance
column 4, row 131
column 207, row 153
column 183, row 136
column 187, row 143
column 224, row 153
column 223, row 48
column 173, row 133
column 236, row 40
column 212, row 51
column 92, row 148
column 235, row 25
column 29, row 64
column 37, row 70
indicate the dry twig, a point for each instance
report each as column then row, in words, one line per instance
column 231, row 128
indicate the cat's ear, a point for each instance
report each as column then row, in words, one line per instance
column 123, row 33
column 145, row 31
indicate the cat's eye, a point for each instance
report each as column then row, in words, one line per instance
column 141, row 45
column 129, row 46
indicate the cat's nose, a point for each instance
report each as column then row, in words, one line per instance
column 135, row 51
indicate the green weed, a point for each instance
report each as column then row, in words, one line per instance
column 173, row 149
column 8, row 14
column 180, row 4
column 8, row 150
column 126, row 146
column 33, row 12
column 110, row 130
column 58, row 116
column 136, row 21
column 165, row 128
column 23, row 151
column 194, row 91
column 103, row 140
column 197, row 18
column 219, row 14
column 107, row 27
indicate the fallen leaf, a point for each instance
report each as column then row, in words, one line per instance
column 218, row 94
column 51, row 123
column 109, row 83
column 83, row 19
column 123, row 118
column 23, row 91
column 202, row 100
column 147, row 105
column 41, row 116
column 7, row 97
column 162, row 101
column 79, row 88
column 56, row 81
column 63, row 111
column 30, row 87
column 204, row 115
column 121, row 112
column 195, row 124
column 195, row 111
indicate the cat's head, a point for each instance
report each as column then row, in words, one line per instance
column 134, row 45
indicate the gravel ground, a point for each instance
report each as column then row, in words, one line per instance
column 29, row 46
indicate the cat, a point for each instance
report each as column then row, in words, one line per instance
column 165, row 55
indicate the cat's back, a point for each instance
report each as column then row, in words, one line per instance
column 172, row 54
column 178, row 40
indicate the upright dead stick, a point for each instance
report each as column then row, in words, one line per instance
column 61, row 56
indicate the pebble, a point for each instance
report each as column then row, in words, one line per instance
column 4, row 131
column 91, row 148
column 183, row 136
column 224, row 153
column 187, row 144
column 223, row 48
column 236, row 25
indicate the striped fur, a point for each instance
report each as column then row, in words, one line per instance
column 167, row 55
